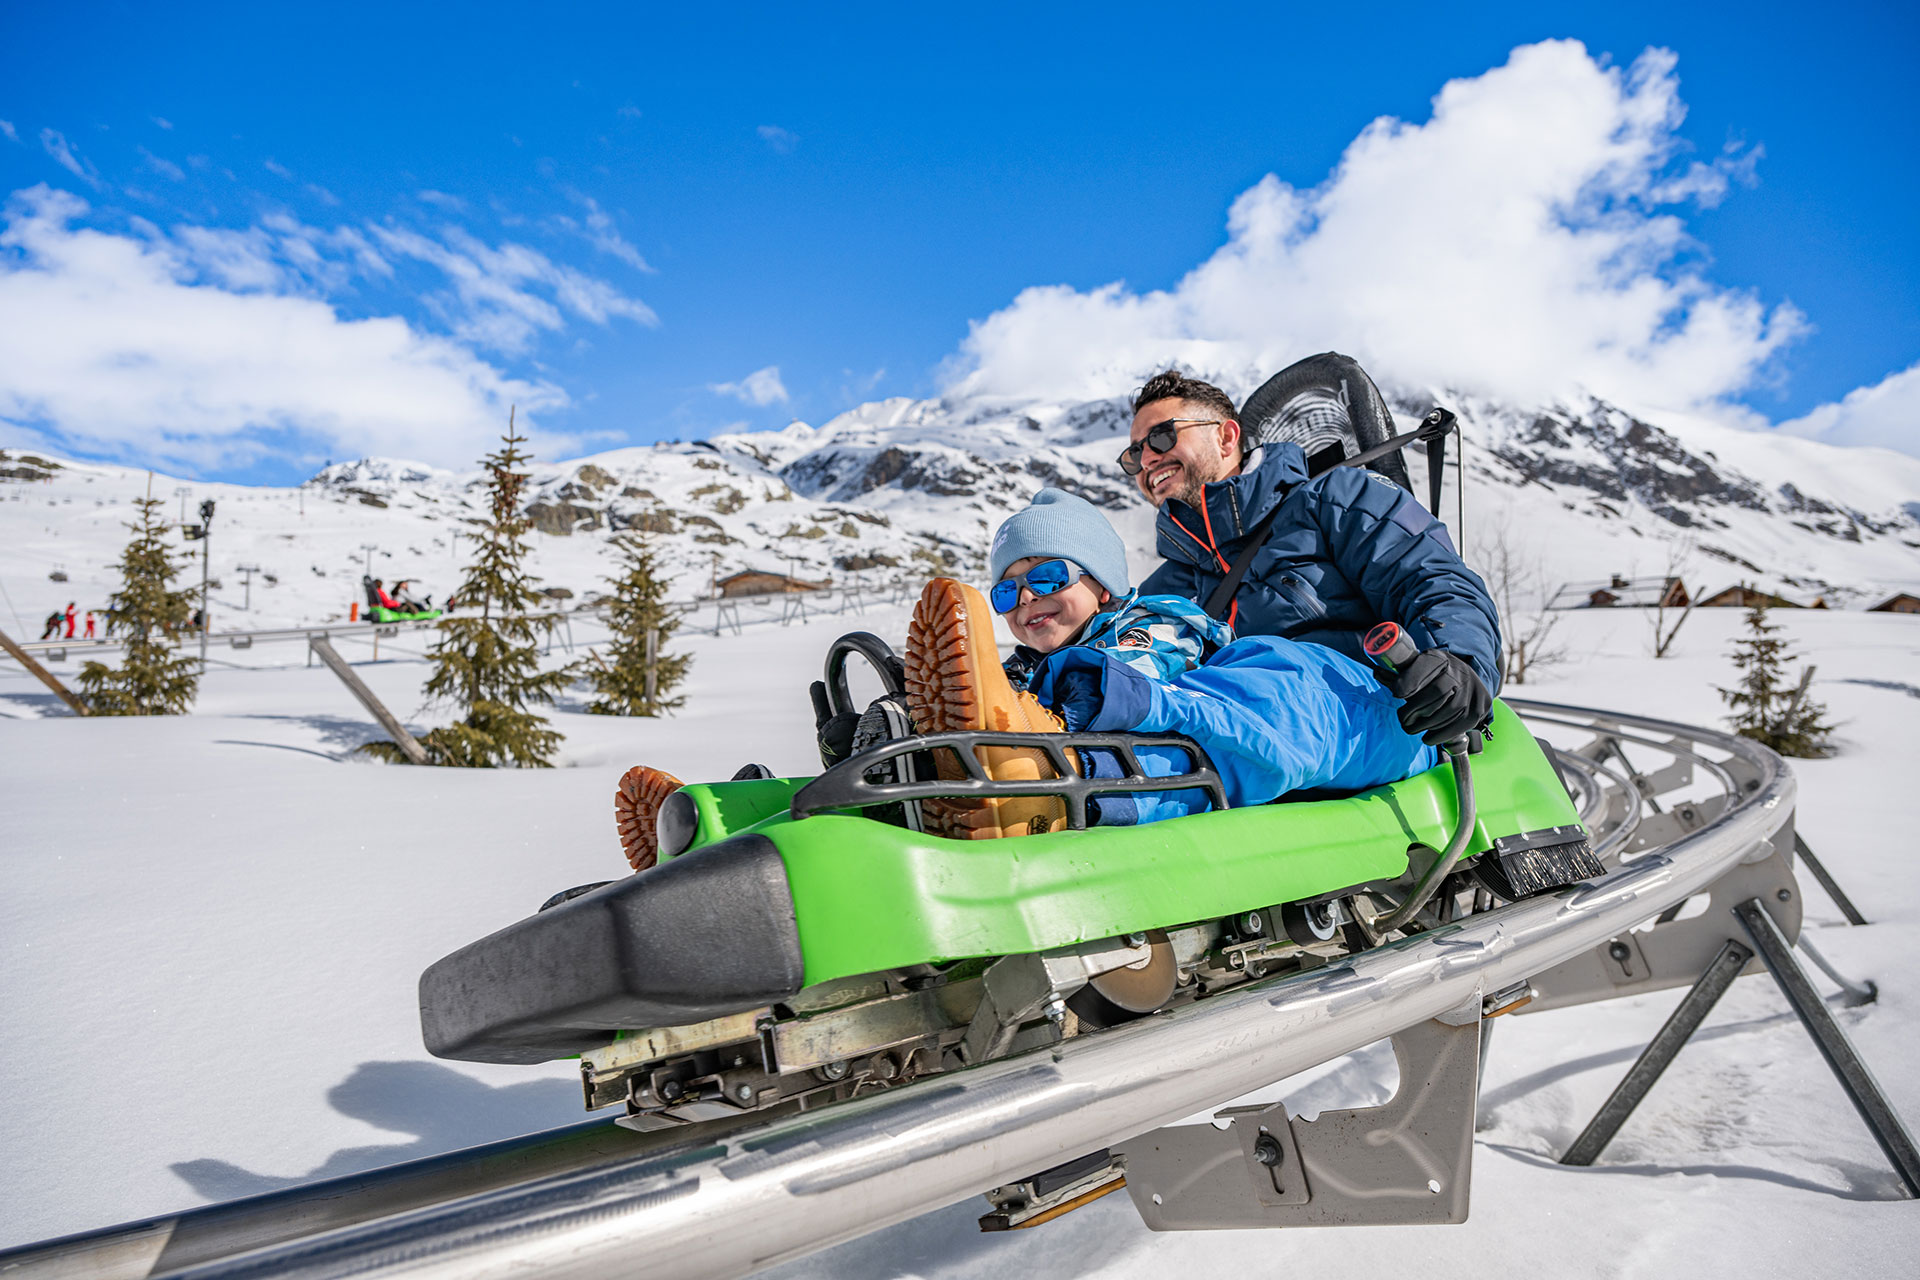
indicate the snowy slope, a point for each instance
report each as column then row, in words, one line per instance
column 905, row 488
column 212, row 925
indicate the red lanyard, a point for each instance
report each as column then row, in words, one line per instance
column 1233, row 614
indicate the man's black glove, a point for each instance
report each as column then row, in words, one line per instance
column 1443, row 694
column 833, row 729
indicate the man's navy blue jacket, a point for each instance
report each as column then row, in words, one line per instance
column 1349, row 548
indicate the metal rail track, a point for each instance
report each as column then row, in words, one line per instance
column 728, row 1203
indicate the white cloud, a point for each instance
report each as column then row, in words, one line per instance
column 761, row 387
column 67, row 158
column 277, row 169
column 6, row 127
column 131, row 345
column 321, row 194
column 162, row 166
column 441, row 200
column 494, row 302
column 629, row 112
column 1519, row 243
column 597, row 229
column 781, row 140
column 239, row 260
column 1885, row 414
column 856, row 387
column 163, row 122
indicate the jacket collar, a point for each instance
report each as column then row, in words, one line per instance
column 1234, row 505
column 1102, row 622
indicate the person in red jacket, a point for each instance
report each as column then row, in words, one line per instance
column 89, row 634
column 70, row 620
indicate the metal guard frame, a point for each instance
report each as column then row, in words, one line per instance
column 846, row 785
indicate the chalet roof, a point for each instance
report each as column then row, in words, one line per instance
column 1619, row 591
column 759, row 582
column 1744, row 595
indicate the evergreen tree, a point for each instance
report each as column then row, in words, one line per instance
column 154, row 678
column 1766, row 705
column 639, row 607
column 487, row 660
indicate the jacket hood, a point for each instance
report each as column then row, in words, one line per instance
column 1234, row 505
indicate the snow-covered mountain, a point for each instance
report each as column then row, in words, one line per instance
column 911, row 487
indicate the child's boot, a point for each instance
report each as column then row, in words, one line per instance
column 643, row 789
column 955, row 682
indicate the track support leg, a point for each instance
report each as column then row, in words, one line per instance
column 1771, row 945
column 1656, row 1057
column 1854, row 1076
column 1827, row 882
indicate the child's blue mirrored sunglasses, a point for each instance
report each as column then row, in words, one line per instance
column 1043, row 579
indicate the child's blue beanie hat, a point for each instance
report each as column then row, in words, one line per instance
column 1060, row 526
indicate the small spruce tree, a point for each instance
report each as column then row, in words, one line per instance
column 1766, row 704
column 487, row 660
column 154, row 678
column 639, row 606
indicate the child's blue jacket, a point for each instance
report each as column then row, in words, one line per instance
column 1276, row 716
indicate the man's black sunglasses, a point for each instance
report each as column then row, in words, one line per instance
column 1160, row 437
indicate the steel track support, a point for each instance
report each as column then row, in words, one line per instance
column 1827, row 882
column 1773, row 949
column 1862, row 1089
column 1655, row 1058
column 1407, row 1161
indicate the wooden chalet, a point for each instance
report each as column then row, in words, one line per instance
column 1746, row 597
column 1903, row 602
column 1622, row 592
column 756, row 582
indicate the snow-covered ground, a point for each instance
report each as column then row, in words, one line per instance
column 212, row 926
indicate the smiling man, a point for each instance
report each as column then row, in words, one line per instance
column 1331, row 555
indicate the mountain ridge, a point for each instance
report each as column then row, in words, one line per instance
column 902, row 487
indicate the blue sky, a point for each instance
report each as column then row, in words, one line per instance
column 618, row 216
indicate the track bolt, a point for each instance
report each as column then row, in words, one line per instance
column 744, row 1092
column 1136, row 939
column 1785, row 895
column 1620, row 951
column 1251, row 925
column 672, row 1090
column 1267, row 1150
column 834, row 1071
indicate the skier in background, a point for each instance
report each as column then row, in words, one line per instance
column 52, row 630
column 70, row 620
column 89, row 634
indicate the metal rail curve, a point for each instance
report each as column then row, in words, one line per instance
column 729, row 1204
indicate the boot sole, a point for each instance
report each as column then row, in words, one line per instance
column 643, row 789
column 955, row 683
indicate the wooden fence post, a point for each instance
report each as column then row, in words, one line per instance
column 47, row 678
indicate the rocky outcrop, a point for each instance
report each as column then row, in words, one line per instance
column 562, row 518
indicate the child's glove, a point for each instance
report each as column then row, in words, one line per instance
column 1092, row 690
column 834, row 732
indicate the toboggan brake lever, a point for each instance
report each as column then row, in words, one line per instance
column 1391, row 648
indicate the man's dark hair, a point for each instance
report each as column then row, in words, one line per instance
column 1175, row 385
